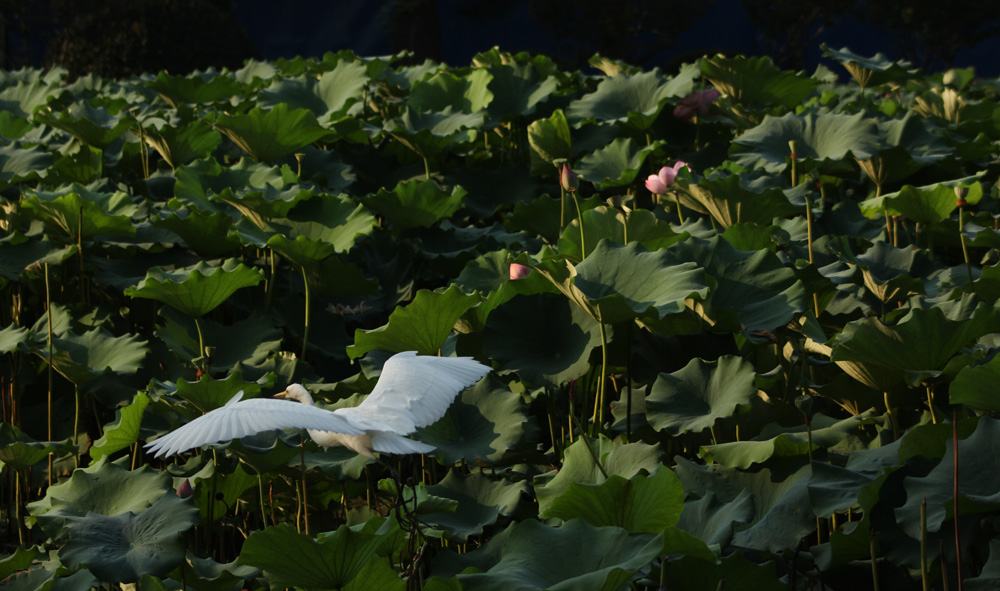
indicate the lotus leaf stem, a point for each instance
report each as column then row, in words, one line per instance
column 586, row 441
column 892, row 415
column 305, row 329
column 930, row 404
column 923, row 544
column 201, row 346
column 958, row 540
column 677, row 200
column 305, row 497
column 871, row 554
column 965, row 248
column 48, row 312
column 579, row 219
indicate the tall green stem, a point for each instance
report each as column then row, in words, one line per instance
column 305, row 330
column 599, row 401
column 965, row 249
column 201, row 346
column 48, row 312
column 579, row 219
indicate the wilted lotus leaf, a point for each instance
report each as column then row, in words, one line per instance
column 121, row 548
column 690, row 400
column 730, row 199
column 195, row 290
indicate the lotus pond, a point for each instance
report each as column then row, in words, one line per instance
column 778, row 370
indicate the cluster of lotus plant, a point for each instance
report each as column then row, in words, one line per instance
column 741, row 322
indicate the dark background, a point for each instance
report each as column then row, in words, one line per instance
column 122, row 37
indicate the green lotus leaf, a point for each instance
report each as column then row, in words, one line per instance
column 893, row 274
column 428, row 133
column 123, row 431
column 625, row 282
column 267, row 135
column 550, row 138
column 692, row 399
column 20, row 452
column 208, row 394
column 249, row 341
column 85, row 166
column 121, row 548
column 81, row 358
column 754, row 292
column 17, row 257
column 105, row 488
column 691, row 573
column 195, row 290
column 19, row 164
column 713, row 521
column 35, row 579
column 12, row 126
column 486, row 421
column 345, row 559
column 978, row 491
column 826, row 432
column 181, row 145
column 639, row 504
column 517, row 90
column 975, row 386
column 918, row 347
column 907, row 144
column 495, row 188
column 422, row 326
column 94, row 126
column 415, row 203
column 13, row 338
column 462, row 94
column 225, row 491
column 303, row 251
column 200, row 88
column 579, row 466
column 640, row 226
column 616, row 164
column 206, row 233
column 21, row 559
column 989, row 577
column 543, row 338
column 260, row 206
column 205, row 574
column 530, row 556
column 80, row 214
column 925, row 205
column 755, row 83
column 24, row 97
column 782, row 513
column 333, row 219
column 635, row 101
column 329, row 97
column 202, row 182
column 819, row 139
column 732, row 200
column 871, row 71
column 481, row 501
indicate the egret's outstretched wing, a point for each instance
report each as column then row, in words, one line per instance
column 414, row 391
column 239, row 419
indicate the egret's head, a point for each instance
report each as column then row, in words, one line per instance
column 296, row 392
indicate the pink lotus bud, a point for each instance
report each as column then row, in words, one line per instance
column 518, row 271
column 658, row 183
column 695, row 103
column 568, row 179
column 185, row 490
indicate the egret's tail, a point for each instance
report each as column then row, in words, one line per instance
column 391, row 443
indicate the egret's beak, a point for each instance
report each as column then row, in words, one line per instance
column 282, row 394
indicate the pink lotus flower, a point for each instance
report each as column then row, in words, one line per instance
column 518, row 271
column 658, row 183
column 695, row 103
column 568, row 179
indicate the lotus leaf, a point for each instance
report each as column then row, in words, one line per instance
column 634, row 100
column 85, row 357
column 195, row 290
column 607, row 223
column 93, row 126
column 267, row 135
column 756, row 83
column 819, row 139
column 124, row 431
column 463, row 94
column 550, row 138
column 695, row 397
column 180, row 146
column 330, row 97
column 481, row 501
column 196, row 89
column 415, row 203
column 616, row 164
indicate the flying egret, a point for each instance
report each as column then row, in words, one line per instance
column 413, row 391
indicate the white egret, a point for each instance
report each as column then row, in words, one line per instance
column 413, row 391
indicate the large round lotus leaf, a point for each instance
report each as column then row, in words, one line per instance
column 104, row 488
column 195, row 89
column 262, row 205
column 334, row 219
column 550, row 138
column 892, row 273
column 639, row 504
column 481, row 501
column 206, row 233
column 605, row 223
column 976, row 386
column 250, row 340
column 121, row 548
column 180, row 145
column 871, row 71
column 978, row 463
column 615, row 164
column 691, row 399
column 916, row 348
column 517, row 90
column 123, row 431
column 345, row 559
column 21, row 452
column 543, row 338
column 754, row 292
column 756, row 83
column 729, row 200
column 486, row 421
column 579, row 466
column 415, row 203
column 714, row 521
column 634, row 100
column 467, row 94
column 203, row 182
column 18, row 257
column 267, row 135
column 829, row 137
column 94, row 126
column 422, row 326
column 208, row 393
column 330, row 97
column 195, row 290
column 205, row 574
column 825, row 433
column 626, row 282
column 925, row 205
column 428, row 133
column 19, row 164
column 80, row 214
column 81, row 358
column 783, row 514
